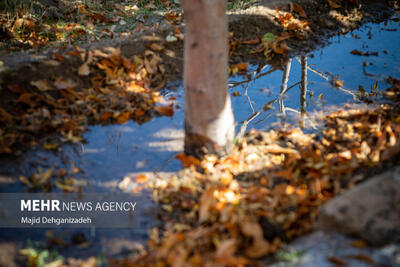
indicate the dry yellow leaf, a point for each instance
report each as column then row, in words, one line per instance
column 84, row 70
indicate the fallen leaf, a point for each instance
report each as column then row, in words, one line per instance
column 337, row 261
column 66, row 187
column 45, row 176
column 240, row 67
column 62, row 83
column 42, row 85
column 99, row 17
column 58, row 56
column 84, row 70
column 51, row 146
column 188, row 161
column 251, row 42
column 165, row 110
column 141, row 178
column 26, row 98
column 358, row 244
column 297, row 8
column 124, row 117
column 156, row 47
column 15, row 88
column 25, row 23
column 226, row 249
column 25, row 181
column 259, row 247
column 207, row 200
column 333, row 4
column 105, row 116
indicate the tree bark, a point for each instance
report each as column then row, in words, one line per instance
column 209, row 122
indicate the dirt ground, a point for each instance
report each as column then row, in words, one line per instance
column 249, row 24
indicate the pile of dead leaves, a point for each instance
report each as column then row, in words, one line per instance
column 119, row 91
column 38, row 22
column 235, row 210
column 294, row 25
column 48, row 180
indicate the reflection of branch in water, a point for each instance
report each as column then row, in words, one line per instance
column 252, row 78
column 243, row 128
column 285, row 79
column 266, row 117
column 303, row 90
column 329, row 77
column 312, row 122
column 254, row 114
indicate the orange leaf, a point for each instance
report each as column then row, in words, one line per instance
column 133, row 87
column 62, row 172
column 187, row 161
column 4, row 114
column 171, row 16
column 141, row 178
column 241, row 66
column 337, row 261
column 358, row 244
column 74, row 53
column 58, row 56
column 105, row 116
column 297, row 8
column 26, row 98
column 333, row 4
column 139, row 112
column 251, row 42
column 99, row 17
column 124, row 117
column 15, row 88
column 176, row 30
column 165, row 110
column 290, row 190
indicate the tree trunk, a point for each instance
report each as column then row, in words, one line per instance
column 209, row 122
column 303, row 90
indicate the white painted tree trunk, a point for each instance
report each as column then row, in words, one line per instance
column 209, row 122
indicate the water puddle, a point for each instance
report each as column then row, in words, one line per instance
column 335, row 76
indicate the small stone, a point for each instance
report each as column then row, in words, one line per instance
column 370, row 210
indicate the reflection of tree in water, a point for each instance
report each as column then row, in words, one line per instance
column 285, row 79
column 284, row 89
column 303, row 91
column 302, row 86
column 280, row 98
